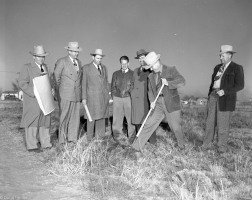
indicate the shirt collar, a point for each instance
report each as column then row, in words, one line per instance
column 95, row 65
column 226, row 65
column 125, row 71
column 38, row 65
column 71, row 59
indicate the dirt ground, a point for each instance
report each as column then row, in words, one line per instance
column 23, row 174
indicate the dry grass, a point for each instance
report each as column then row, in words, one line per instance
column 165, row 172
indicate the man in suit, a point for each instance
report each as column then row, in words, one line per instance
column 168, row 102
column 121, row 86
column 68, row 75
column 33, row 119
column 227, row 80
column 139, row 95
column 95, row 94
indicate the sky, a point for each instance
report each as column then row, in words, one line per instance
column 187, row 33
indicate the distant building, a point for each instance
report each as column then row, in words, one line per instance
column 184, row 102
column 12, row 95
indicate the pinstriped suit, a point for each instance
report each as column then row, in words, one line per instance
column 69, row 87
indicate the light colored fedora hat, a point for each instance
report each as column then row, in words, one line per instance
column 226, row 49
column 97, row 52
column 140, row 53
column 150, row 59
column 38, row 51
column 73, row 46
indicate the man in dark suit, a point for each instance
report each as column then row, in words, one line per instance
column 68, row 75
column 168, row 103
column 227, row 80
column 95, row 95
column 139, row 96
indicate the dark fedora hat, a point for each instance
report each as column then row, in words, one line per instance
column 140, row 53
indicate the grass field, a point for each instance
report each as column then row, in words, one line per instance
column 163, row 172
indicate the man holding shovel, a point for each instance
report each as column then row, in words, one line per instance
column 165, row 101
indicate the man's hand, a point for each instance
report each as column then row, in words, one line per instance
column 220, row 93
column 152, row 105
column 84, row 102
column 164, row 81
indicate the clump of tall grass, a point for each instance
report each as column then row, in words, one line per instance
column 162, row 172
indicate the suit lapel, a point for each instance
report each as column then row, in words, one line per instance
column 72, row 67
column 227, row 71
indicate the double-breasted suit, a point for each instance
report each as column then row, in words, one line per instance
column 32, row 117
column 68, row 81
column 95, row 89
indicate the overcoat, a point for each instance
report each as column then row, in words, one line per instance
column 95, row 89
column 31, row 110
column 139, row 95
column 231, row 82
column 67, row 79
column 170, row 92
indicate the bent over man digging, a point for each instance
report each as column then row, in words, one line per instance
column 168, row 101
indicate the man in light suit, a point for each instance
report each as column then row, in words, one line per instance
column 95, row 95
column 227, row 80
column 168, row 103
column 33, row 119
column 68, row 75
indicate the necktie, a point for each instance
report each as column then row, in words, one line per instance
column 158, row 80
column 41, row 68
column 75, row 65
column 219, row 73
column 99, row 69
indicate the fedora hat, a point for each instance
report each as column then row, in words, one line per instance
column 226, row 49
column 97, row 52
column 140, row 53
column 38, row 51
column 150, row 59
column 73, row 46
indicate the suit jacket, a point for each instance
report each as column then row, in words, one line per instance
column 139, row 95
column 170, row 92
column 31, row 109
column 67, row 79
column 95, row 89
column 231, row 82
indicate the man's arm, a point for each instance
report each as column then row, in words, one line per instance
column 84, row 85
column 59, row 66
column 113, row 85
column 24, row 82
column 177, row 79
column 238, row 81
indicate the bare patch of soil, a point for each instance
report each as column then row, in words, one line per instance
column 23, row 174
